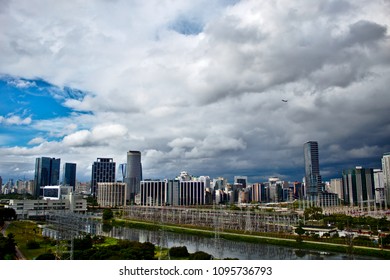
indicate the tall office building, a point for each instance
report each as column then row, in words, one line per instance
column 358, row 186
column 259, row 192
column 69, row 175
column 243, row 180
column 103, row 171
column 386, row 176
column 219, row 183
column 47, row 173
column 122, row 172
column 298, row 190
column 379, row 187
column 111, row 194
column 313, row 180
column 191, row 193
column 154, row 193
column 336, row 186
column 133, row 173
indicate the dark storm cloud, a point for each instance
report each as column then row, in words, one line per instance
column 365, row 32
column 198, row 85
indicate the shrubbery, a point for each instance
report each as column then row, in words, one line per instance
column 46, row 256
column 124, row 250
column 7, row 246
column 179, row 252
column 32, row 244
column 200, row 255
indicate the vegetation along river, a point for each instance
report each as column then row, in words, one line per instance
column 222, row 248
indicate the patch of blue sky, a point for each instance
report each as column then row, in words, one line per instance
column 193, row 22
column 29, row 101
column 187, row 26
column 36, row 100
column 17, row 135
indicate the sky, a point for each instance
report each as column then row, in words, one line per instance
column 195, row 85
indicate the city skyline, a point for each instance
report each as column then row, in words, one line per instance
column 234, row 179
column 231, row 90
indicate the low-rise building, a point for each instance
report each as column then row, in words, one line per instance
column 318, row 230
column 38, row 208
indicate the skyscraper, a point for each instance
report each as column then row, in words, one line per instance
column 241, row 180
column 103, row 171
column 358, row 186
column 379, row 187
column 122, row 172
column 313, row 180
column 386, row 176
column 133, row 173
column 47, row 173
column 111, row 194
column 69, row 175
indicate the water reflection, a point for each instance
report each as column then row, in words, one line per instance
column 221, row 248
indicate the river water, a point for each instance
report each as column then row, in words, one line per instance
column 221, row 248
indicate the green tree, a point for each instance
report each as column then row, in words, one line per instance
column 7, row 214
column 313, row 213
column 179, row 252
column 107, row 214
column 92, row 201
column 200, row 255
column 32, row 244
column 46, row 256
column 299, row 230
column 7, row 246
column 84, row 243
column 124, row 250
column 385, row 240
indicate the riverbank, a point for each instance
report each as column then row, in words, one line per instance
column 259, row 238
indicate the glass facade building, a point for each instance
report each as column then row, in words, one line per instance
column 47, row 173
column 69, row 173
column 133, row 173
column 358, row 186
column 103, row 171
column 313, row 180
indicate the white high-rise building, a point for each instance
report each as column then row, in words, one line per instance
column 386, row 176
column 336, row 186
column 379, row 187
column 111, row 194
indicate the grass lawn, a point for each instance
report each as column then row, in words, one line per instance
column 108, row 241
column 25, row 231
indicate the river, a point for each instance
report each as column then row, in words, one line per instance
column 221, row 248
